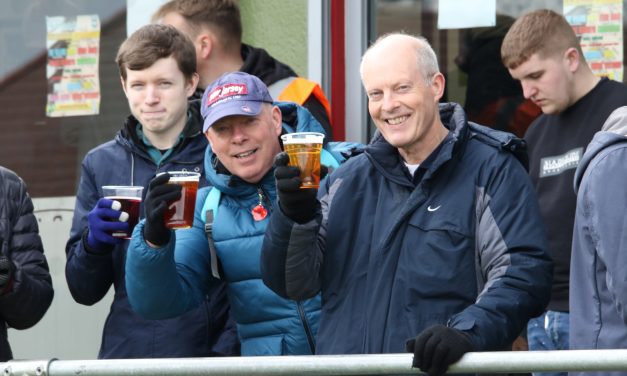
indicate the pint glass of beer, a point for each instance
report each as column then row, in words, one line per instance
column 304, row 149
column 130, row 197
column 180, row 213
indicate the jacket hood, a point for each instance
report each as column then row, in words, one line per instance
column 295, row 119
column 258, row 62
column 614, row 131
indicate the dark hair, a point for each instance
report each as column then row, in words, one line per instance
column 222, row 17
column 153, row 42
column 544, row 32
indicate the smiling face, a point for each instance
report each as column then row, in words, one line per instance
column 157, row 97
column 247, row 145
column 548, row 82
column 403, row 106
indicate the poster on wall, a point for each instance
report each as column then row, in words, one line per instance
column 599, row 26
column 73, row 45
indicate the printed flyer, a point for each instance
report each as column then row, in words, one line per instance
column 73, row 45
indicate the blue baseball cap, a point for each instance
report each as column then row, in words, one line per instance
column 235, row 93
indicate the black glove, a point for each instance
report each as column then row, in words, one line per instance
column 6, row 274
column 299, row 205
column 437, row 347
column 159, row 195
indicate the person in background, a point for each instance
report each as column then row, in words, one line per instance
column 598, row 274
column 542, row 51
column 157, row 67
column 215, row 27
column 430, row 241
column 168, row 272
column 493, row 97
column 25, row 285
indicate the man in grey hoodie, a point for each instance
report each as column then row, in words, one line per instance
column 598, row 271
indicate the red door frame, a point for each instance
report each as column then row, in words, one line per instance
column 338, row 70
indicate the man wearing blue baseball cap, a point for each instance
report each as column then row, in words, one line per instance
column 168, row 272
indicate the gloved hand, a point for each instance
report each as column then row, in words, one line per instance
column 6, row 274
column 159, row 195
column 437, row 347
column 104, row 219
column 297, row 204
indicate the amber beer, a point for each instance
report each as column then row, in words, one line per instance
column 180, row 213
column 304, row 149
column 130, row 197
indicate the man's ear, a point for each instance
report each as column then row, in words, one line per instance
column 123, row 85
column 277, row 120
column 204, row 41
column 438, row 83
column 192, row 84
column 572, row 58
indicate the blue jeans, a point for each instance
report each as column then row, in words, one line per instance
column 548, row 332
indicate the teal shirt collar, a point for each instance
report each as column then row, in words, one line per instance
column 155, row 154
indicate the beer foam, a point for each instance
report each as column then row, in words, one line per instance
column 302, row 138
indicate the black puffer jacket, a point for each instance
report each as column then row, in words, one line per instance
column 30, row 292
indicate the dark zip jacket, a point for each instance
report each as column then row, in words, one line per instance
column 29, row 292
column 204, row 331
column 463, row 247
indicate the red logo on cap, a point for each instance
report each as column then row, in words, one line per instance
column 225, row 91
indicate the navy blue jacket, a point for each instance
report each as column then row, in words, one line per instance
column 28, row 296
column 204, row 331
column 463, row 247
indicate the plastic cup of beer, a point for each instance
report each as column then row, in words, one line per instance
column 180, row 213
column 130, row 197
column 304, row 149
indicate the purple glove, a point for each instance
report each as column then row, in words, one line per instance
column 103, row 220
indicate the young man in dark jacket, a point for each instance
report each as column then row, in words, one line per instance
column 215, row 28
column 542, row 51
column 429, row 241
column 25, row 284
column 164, row 133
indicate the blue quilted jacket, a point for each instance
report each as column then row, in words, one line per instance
column 163, row 283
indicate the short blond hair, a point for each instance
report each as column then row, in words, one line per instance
column 543, row 32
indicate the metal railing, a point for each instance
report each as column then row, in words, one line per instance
column 397, row 364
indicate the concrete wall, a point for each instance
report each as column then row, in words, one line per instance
column 280, row 27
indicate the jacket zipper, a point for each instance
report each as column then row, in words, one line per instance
column 306, row 327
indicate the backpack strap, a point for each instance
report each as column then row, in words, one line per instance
column 210, row 212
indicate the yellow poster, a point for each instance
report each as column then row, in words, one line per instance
column 599, row 26
column 73, row 45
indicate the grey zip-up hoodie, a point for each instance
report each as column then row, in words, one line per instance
column 598, row 273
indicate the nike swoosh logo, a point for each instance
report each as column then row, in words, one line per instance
column 429, row 208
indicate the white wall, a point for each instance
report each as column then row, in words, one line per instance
column 68, row 330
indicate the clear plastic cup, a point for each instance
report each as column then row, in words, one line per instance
column 180, row 213
column 131, row 198
column 304, row 149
